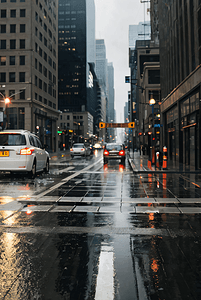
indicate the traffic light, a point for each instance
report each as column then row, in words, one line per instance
column 101, row 125
column 127, row 79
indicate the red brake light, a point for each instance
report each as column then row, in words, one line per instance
column 26, row 151
column 121, row 152
column 106, row 153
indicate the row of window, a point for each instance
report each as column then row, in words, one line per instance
column 45, row 87
column 49, row 4
column 22, row 28
column 13, row 44
column 45, row 101
column 12, row 77
column 12, row 60
column 4, row 1
column 43, row 54
column 12, row 94
column 21, row 95
column 38, row 19
column 62, row 117
column 13, row 13
column 43, row 70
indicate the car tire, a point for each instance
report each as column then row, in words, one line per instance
column 123, row 161
column 32, row 173
column 47, row 167
column 105, row 161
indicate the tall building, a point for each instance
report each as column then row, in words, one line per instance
column 77, row 79
column 101, row 63
column 28, row 66
column 180, row 59
column 111, row 99
column 142, row 31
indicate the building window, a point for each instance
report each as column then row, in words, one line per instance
column 22, row 94
column 36, row 96
column 36, row 80
column 3, row 1
column 40, row 98
column 12, row 28
column 3, row 44
column 36, row 31
column 12, row 94
column 21, row 113
column 2, row 77
column 2, row 60
column 12, row 60
column 50, row 103
column 36, row 47
column 3, row 13
column 40, row 52
column 45, row 41
column 2, row 28
column 45, row 101
column 45, row 71
column 12, row 44
column 12, row 77
column 45, row 27
column 45, row 56
column 22, row 27
column 22, row 13
column 40, row 84
column 12, row 0
column 40, row 37
column 22, row 77
column 22, row 60
column 40, row 67
column 22, row 44
column 13, row 13
column 45, row 87
column 36, row 63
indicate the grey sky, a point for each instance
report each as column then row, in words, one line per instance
column 113, row 18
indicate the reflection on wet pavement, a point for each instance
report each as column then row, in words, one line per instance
column 57, row 241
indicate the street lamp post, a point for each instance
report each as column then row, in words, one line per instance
column 152, row 101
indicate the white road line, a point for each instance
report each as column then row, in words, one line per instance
column 66, row 170
column 105, row 278
column 54, row 187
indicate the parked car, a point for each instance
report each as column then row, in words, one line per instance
column 114, row 151
column 22, row 151
column 79, row 149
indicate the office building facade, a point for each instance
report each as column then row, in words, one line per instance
column 77, row 80
column 28, row 66
column 180, row 58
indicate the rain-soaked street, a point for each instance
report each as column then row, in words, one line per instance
column 92, row 231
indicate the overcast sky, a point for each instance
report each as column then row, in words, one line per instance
column 113, row 18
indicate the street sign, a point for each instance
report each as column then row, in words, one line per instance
column 117, row 125
column 158, row 125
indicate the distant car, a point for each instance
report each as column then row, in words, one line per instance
column 97, row 146
column 114, row 151
column 79, row 149
column 22, row 151
column 91, row 149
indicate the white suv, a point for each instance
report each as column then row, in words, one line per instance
column 22, row 151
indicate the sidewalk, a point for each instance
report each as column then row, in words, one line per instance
column 141, row 163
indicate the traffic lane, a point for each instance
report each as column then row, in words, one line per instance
column 20, row 185
column 61, row 256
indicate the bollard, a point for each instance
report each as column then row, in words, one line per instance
column 164, row 158
column 157, row 160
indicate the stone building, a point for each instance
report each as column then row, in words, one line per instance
column 28, row 66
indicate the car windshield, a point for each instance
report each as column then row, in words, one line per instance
column 8, row 139
column 114, row 147
column 78, row 145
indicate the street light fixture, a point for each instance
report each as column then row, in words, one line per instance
column 152, row 101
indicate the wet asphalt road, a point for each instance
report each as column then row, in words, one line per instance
column 88, row 231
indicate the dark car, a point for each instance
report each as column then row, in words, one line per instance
column 114, row 151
